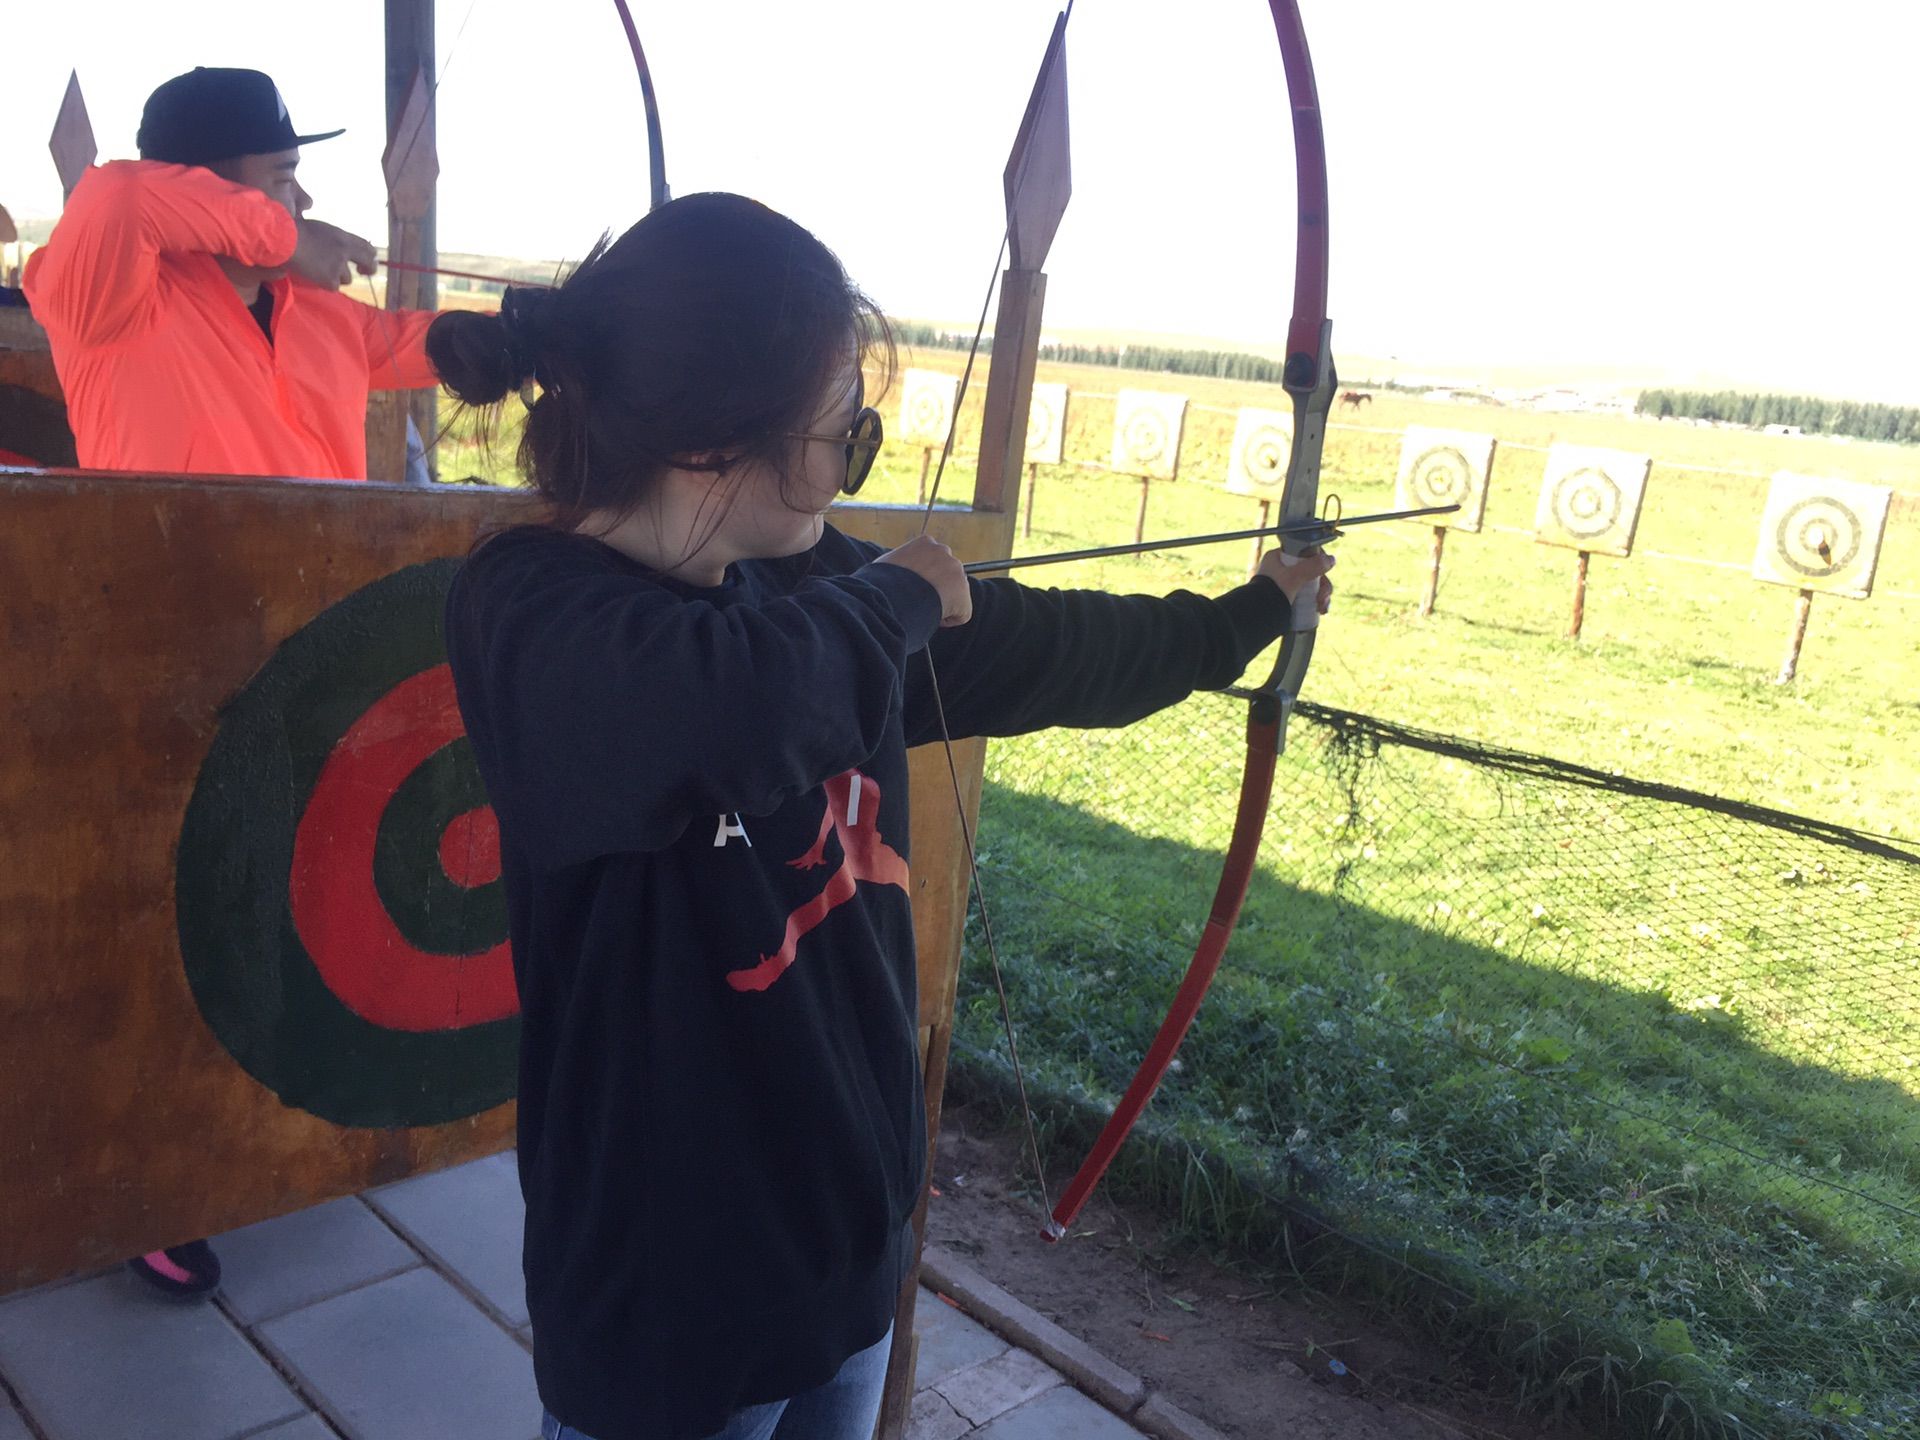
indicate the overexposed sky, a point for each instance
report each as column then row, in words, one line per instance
column 1672, row 186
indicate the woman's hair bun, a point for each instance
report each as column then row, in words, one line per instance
column 484, row 358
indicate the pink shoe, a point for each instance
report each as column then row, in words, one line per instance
column 191, row 1270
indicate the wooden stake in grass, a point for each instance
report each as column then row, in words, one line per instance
column 1433, row 572
column 1790, row 665
column 1140, row 525
column 1260, row 541
column 1579, row 595
column 1033, row 480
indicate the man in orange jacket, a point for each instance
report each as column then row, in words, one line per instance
column 197, row 327
column 195, row 314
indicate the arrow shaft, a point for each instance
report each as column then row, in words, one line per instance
column 1316, row 531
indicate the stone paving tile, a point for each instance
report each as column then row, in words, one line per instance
column 949, row 1340
column 307, row 1427
column 1062, row 1413
column 1114, row 1386
column 12, row 1427
column 280, row 1265
column 469, row 1219
column 995, row 1386
column 932, row 1418
column 104, row 1358
column 409, row 1358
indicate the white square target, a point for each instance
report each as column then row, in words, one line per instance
column 1047, row 425
column 1822, row 534
column 1445, row 467
column 1262, row 445
column 1146, row 433
column 926, row 407
column 1590, row 499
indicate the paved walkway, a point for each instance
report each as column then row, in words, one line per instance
column 400, row 1315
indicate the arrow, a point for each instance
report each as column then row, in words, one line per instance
column 1315, row 531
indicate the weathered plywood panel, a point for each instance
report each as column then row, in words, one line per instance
column 254, row 951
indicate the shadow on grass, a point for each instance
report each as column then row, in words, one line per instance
column 1634, row 1199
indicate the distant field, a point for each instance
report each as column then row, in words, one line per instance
column 1673, row 679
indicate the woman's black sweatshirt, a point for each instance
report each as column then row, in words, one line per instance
column 702, row 799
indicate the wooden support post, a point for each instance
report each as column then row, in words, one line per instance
column 1033, row 483
column 1790, row 665
column 1003, row 426
column 1140, row 525
column 1579, row 596
column 1433, row 571
column 896, row 1405
column 996, row 489
column 1260, row 541
column 926, row 463
column 411, row 236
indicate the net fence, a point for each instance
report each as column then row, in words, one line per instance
column 1626, row 1071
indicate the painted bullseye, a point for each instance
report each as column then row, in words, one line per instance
column 1587, row 503
column 470, row 849
column 1441, row 476
column 342, row 922
column 356, row 946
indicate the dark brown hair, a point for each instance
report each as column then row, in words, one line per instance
column 713, row 325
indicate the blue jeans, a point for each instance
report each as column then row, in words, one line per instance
column 845, row 1408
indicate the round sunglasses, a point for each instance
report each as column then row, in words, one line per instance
column 862, row 440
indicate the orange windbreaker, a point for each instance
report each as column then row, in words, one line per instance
column 166, row 370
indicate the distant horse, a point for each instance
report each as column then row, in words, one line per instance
column 1355, row 398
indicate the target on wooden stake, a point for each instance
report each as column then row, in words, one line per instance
column 1262, row 445
column 1590, row 499
column 1047, row 425
column 926, row 407
column 1147, row 425
column 338, row 895
column 1445, row 467
column 1822, row 534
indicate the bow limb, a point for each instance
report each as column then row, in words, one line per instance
column 1310, row 381
column 657, row 192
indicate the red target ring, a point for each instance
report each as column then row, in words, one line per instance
column 354, row 943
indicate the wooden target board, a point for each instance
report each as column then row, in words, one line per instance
column 1147, row 425
column 1822, row 534
column 927, row 399
column 1262, row 445
column 255, row 954
column 1590, row 499
column 1445, row 467
column 1047, row 425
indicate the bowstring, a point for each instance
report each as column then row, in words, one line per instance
column 953, row 765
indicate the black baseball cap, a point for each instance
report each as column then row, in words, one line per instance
column 213, row 114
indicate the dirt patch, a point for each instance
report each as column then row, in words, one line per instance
column 1252, row 1356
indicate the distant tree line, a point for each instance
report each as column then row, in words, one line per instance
column 1862, row 421
column 1166, row 360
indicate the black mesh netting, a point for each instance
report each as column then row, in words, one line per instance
column 1624, row 1068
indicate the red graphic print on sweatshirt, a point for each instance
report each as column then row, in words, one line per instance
column 853, row 813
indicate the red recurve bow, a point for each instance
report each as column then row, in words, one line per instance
column 1309, row 379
